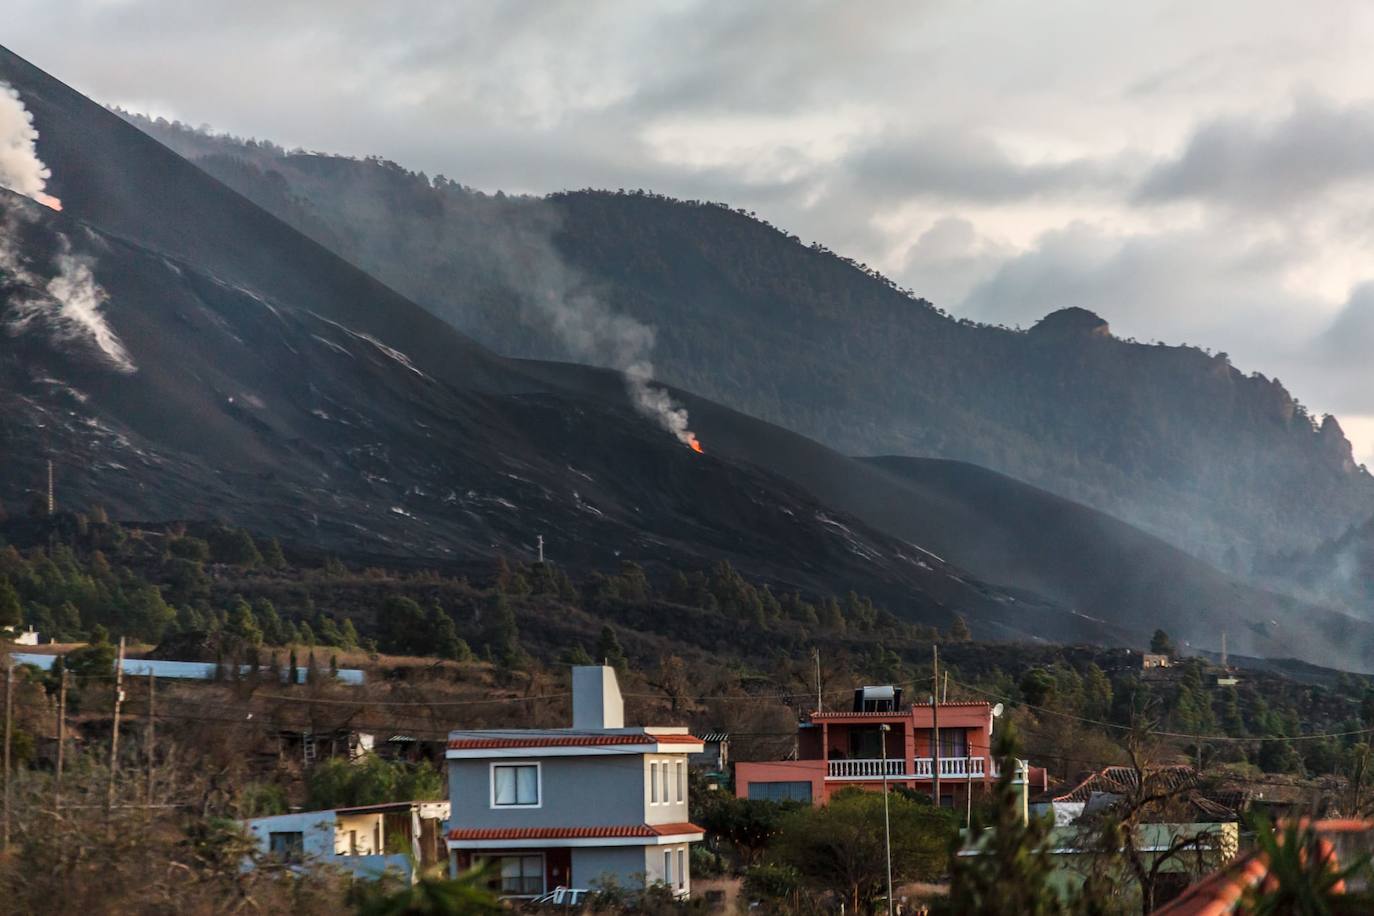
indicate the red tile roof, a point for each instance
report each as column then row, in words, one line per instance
column 468, row 744
column 1221, row 892
column 618, row 831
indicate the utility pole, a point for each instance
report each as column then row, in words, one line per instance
column 152, row 734
column 61, row 740
column 944, row 696
column 114, row 731
column 541, row 549
column 935, row 720
column 887, row 825
column 52, row 504
column 9, row 730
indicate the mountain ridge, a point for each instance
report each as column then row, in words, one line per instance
column 1170, row 438
column 258, row 398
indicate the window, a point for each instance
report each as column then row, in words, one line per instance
column 953, row 742
column 780, row 791
column 865, row 743
column 668, row 867
column 681, row 868
column 522, row 875
column 653, row 783
column 515, row 785
column 664, row 770
column 681, row 786
column 288, row 844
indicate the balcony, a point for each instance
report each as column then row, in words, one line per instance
column 951, row 767
column 859, row 768
column 893, row 768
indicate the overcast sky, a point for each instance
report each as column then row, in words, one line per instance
column 1193, row 172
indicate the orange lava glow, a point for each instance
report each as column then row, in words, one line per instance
column 695, row 444
column 48, row 200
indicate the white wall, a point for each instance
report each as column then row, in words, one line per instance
column 673, row 810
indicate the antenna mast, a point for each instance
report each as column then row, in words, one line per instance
column 51, row 503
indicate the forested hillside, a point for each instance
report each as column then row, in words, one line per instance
column 1172, row 438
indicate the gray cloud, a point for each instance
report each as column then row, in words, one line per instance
column 1260, row 163
column 949, row 165
column 999, row 176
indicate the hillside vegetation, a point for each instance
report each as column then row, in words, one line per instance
column 1171, row 438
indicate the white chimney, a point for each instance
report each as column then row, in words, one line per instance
column 596, row 698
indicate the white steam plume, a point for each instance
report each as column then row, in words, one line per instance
column 20, row 168
column 68, row 304
column 589, row 328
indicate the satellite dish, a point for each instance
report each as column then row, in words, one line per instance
column 997, row 711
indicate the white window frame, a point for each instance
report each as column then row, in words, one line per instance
column 663, row 772
column 682, row 868
column 653, row 783
column 517, row 854
column 538, row 784
column 679, row 776
column 668, row 866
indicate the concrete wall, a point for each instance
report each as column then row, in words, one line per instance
column 316, row 828
column 673, row 808
column 367, row 830
column 322, row 842
column 812, row 771
column 592, row 791
column 625, row 864
column 653, row 867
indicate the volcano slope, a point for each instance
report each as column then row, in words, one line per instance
column 239, row 370
column 261, row 379
column 1173, row 439
column 1003, row 531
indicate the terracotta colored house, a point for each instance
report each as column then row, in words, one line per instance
column 852, row 748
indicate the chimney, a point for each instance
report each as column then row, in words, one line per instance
column 596, row 698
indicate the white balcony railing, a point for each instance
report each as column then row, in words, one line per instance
column 951, row 767
column 862, row 768
column 894, row 768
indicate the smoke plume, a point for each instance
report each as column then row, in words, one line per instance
column 65, row 302
column 20, row 168
column 586, row 325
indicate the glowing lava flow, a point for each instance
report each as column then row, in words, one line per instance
column 695, row 444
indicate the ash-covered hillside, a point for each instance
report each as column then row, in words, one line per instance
column 1222, row 463
column 181, row 353
column 262, row 379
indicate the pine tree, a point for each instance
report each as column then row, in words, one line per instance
column 293, row 675
column 1012, row 873
column 608, row 650
column 244, row 625
column 349, row 634
column 958, row 631
column 272, row 555
column 273, row 630
column 1161, row 644
column 11, row 611
column 504, row 639
column 328, row 630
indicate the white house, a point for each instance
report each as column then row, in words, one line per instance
column 367, row 841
